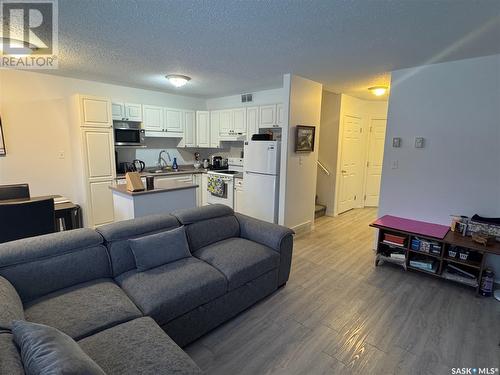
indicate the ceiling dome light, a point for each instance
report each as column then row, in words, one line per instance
column 178, row 80
column 378, row 90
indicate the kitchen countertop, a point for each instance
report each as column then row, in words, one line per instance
column 184, row 169
column 167, row 186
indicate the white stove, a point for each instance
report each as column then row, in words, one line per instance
column 226, row 179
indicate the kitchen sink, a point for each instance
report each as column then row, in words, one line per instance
column 158, row 171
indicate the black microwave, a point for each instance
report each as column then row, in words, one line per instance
column 128, row 133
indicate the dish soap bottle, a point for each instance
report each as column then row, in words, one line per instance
column 175, row 167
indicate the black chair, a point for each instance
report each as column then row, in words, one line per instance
column 17, row 191
column 26, row 219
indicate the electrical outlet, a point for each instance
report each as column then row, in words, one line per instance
column 419, row 142
column 396, row 142
column 61, row 155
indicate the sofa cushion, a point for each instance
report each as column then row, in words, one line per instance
column 173, row 289
column 83, row 309
column 138, row 347
column 208, row 224
column 117, row 237
column 160, row 248
column 10, row 358
column 40, row 265
column 45, row 350
column 11, row 307
column 240, row 260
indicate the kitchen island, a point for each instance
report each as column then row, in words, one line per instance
column 170, row 196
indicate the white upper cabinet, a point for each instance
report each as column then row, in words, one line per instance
column 280, row 114
column 133, row 112
column 267, row 115
column 174, row 121
column 226, row 122
column 95, row 112
column 153, row 117
column 189, row 129
column 203, row 128
column 214, row 129
column 126, row 111
column 239, row 121
column 252, row 121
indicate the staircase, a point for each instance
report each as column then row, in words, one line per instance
column 319, row 210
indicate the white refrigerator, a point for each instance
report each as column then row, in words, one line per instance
column 261, row 180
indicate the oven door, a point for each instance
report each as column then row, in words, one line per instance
column 228, row 198
column 129, row 137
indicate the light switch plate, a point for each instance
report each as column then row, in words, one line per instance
column 396, row 142
column 419, row 142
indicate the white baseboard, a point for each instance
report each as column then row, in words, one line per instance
column 303, row 228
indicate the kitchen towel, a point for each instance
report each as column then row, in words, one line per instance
column 216, row 186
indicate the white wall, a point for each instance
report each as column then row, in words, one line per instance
column 328, row 149
column 37, row 120
column 259, row 98
column 455, row 106
column 304, row 109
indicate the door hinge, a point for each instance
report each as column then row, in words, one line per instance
column 365, row 197
column 355, row 197
column 361, row 130
column 367, row 163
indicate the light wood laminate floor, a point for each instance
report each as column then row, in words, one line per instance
column 338, row 314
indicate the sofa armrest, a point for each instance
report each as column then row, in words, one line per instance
column 277, row 237
column 11, row 307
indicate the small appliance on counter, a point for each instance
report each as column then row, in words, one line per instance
column 128, row 133
column 218, row 163
column 134, row 166
column 139, row 165
column 206, row 163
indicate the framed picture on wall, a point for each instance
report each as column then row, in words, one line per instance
column 3, row 152
column 304, row 138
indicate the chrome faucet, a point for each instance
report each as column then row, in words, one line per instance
column 162, row 163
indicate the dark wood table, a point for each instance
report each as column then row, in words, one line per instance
column 67, row 212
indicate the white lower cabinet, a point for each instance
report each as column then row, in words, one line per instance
column 204, row 191
column 197, row 181
column 101, row 202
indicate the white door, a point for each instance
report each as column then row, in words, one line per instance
column 173, row 120
column 280, row 115
column 96, row 112
column 204, row 191
column 153, row 118
column 267, row 116
column 350, row 164
column 101, row 202
column 240, row 121
column 118, row 111
column 259, row 199
column 203, row 128
column 226, row 122
column 214, row 129
column 133, row 112
column 99, row 153
column 261, row 157
column 376, row 141
column 189, row 129
column 252, row 121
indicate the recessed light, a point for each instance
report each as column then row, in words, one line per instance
column 178, row 80
column 378, row 90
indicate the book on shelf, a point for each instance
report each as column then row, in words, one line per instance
column 394, row 239
column 427, row 265
column 398, row 256
column 461, row 279
column 390, row 243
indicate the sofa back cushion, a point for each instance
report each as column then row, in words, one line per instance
column 40, row 265
column 160, row 248
column 117, row 236
column 11, row 307
column 208, row 224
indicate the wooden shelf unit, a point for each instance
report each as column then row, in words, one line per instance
column 451, row 239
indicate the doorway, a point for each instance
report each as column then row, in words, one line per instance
column 375, row 157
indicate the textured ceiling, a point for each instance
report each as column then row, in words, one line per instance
column 229, row 47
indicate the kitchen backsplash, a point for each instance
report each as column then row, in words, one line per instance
column 149, row 155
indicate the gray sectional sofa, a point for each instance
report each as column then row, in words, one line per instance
column 86, row 284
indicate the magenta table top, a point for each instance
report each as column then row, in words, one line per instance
column 414, row 226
